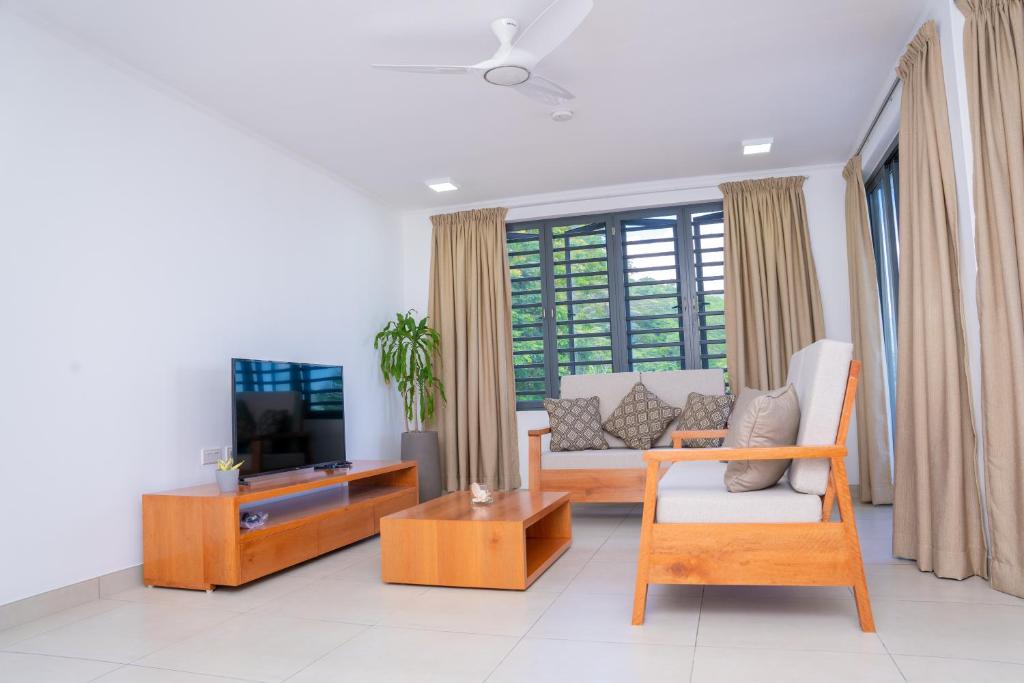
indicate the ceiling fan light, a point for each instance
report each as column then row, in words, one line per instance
column 507, row 75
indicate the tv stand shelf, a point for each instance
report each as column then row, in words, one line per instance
column 192, row 537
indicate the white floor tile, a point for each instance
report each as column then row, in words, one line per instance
column 941, row 670
column 22, row 668
column 744, row 620
column 564, row 661
column 671, row 619
column 619, row 549
column 468, row 610
column 125, row 634
column 258, row 647
column 12, row 636
column 907, row 582
column 393, row 655
column 737, row 665
column 619, row 578
column 967, row 631
column 233, row 599
column 138, row 674
column 355, row 602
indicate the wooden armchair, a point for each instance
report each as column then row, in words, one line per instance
column 762, row 547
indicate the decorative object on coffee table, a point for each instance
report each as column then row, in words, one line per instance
column 449, row 541
column 227, row 474
column 407, row 348
column 481, row 494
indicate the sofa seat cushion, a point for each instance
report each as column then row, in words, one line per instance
column 704, row 474
column 691, row 497
column 612, row 458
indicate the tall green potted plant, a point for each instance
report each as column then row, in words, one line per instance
column 407, row 348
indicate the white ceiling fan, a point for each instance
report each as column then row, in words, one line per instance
column 514, row 63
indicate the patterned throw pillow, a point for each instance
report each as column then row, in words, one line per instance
column 575, row 424
column 640, row 418
column 705, row 411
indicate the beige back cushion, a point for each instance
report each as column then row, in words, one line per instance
column 609, row 389
column 819, row 373
column 674, row 387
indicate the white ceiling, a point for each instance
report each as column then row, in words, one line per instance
column 665, row 88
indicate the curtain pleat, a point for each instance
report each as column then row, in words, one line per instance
column 937, row 509
column 873, row 444
column 772, row 302
column 470, row 306
column 994, row 57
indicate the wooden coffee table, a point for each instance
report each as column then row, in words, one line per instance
column 449, row 541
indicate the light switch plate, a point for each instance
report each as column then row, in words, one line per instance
column 210, row 456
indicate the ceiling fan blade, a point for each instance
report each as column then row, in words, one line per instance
column 553, row 26
column 541, row 89
column 425, row 68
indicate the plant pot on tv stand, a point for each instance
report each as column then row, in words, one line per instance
column 422, row 448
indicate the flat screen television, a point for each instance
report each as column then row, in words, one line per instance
column 286, row 416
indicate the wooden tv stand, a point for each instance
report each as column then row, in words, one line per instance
column 191, row 537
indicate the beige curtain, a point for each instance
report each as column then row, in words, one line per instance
column 937, row 513
column 772, row 302
column 873, row 445
column 471, row 307
column 994, row 56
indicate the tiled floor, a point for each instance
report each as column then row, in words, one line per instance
column 332, row 620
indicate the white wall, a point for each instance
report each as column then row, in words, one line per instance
column 824, row 191
column 144, row 243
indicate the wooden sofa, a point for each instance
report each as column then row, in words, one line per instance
column 782, row 536
column 615, row 475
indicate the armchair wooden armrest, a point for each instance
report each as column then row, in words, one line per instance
column 535, row 449
column 680, row 436
column 766, row 453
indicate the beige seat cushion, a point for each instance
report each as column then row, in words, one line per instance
column 819, row 373
column 609, row 389
column 761, row 419
column 685, row 496
column 612, row 458
column 675, row 386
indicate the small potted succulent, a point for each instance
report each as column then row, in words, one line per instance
column 227, row 474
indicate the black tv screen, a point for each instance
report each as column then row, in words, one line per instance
column 286, row 415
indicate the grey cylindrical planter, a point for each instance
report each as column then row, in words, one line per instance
column 422, row 448
column 227, row 480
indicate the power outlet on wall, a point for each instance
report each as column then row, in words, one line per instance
column 210, row 456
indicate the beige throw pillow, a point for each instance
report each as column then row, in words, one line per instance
column 761, row 419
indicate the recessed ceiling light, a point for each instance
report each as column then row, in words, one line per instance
column 759, row 146
column 442, row 185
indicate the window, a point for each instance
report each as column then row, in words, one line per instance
column 883, row 211
column 609, row 293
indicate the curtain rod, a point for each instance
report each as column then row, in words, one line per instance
column 878, row 115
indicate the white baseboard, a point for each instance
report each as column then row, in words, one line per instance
column 42, row 605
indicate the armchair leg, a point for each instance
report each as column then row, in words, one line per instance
column 640, row 601
column 860, row 593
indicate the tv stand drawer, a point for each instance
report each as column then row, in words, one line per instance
column 270, row 553
column 347, row 526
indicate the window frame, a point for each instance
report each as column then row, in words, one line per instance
column 688, row 292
